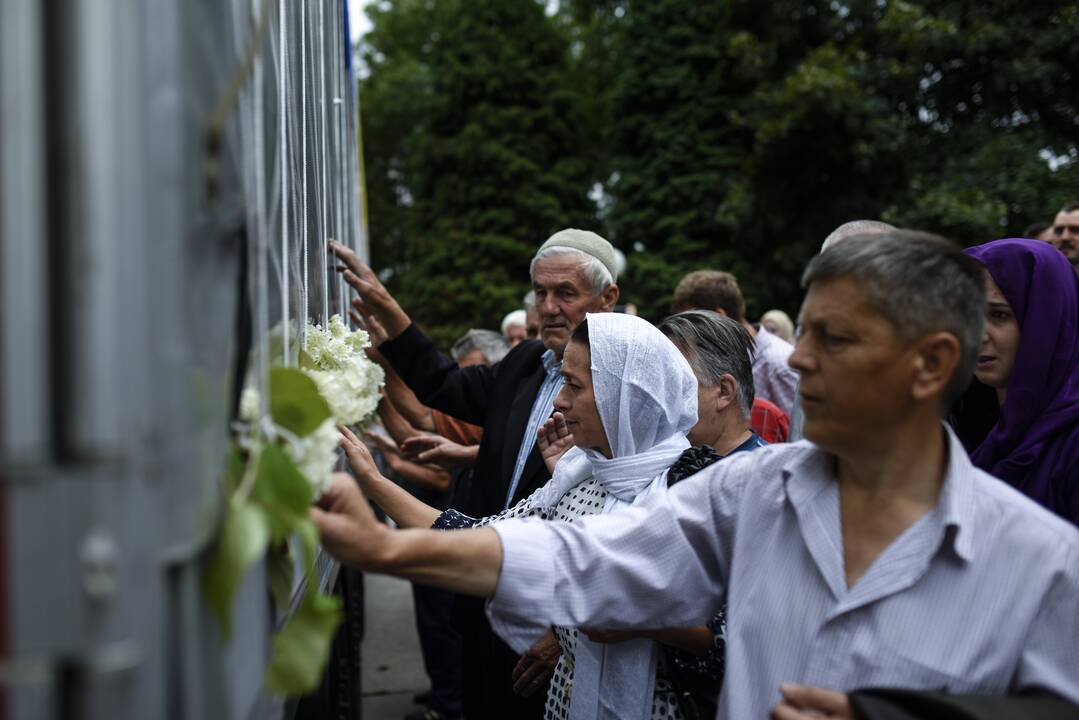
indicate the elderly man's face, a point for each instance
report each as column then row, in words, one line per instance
column 856, row 375
column 1066, row 235
column 563, row 297
column 516, row 334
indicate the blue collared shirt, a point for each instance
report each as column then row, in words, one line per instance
column 542, row 408
column 979, row 596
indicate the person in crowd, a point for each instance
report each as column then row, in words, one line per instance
column 768, row 421
column 845, row 231
column 876, row 555
column 775, row 381
column 515, row 327
column 420, row 435
column 779, row 324
column 1066, row 233
column 615, row 393
column 1040, row 231
column 573, row 273
column 440, row 644
column 1030, row 357
column 532, row 321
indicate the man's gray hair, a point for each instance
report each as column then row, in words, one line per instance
column 492, row 345
column 856, row 227
column 920, row 283
column 529, row 301
column 597, row 274
column 715, row 346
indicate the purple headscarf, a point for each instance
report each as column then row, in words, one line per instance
column 1035, row 443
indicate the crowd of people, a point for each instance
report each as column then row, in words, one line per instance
column 605, row 518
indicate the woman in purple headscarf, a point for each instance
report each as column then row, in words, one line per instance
column 1030, row 357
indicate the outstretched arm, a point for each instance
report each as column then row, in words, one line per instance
column 395, row 501
column 405, row 403
column 466, row 561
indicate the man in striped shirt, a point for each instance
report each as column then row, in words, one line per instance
column 874, row 555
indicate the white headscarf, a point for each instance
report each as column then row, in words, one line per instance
column 646, row 395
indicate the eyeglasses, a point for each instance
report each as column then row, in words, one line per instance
column 1059, row 229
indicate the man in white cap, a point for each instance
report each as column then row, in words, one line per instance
column 515, row 327
column 573, row 273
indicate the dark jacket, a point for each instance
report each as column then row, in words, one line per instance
column 893, row 704
column 498, row 398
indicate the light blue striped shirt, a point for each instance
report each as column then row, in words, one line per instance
column 980, row 595
column 542, row 408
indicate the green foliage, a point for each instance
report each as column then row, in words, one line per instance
column 267, row 505
column 295, row 403
column 474, row 154
column 245, row 533
column 300, row 650
column 282, row 491
column 730, row 134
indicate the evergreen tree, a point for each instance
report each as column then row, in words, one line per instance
column 729, row 134
column 484, row 164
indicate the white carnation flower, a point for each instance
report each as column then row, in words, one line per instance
column 353, row 391
column 332, row 348
column 250, row 402
column 316, row 455
column 348, row 380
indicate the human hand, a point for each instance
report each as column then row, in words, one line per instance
column 376, row 299
column 375, row 331
column 801, row 702
column 553, row 440
column 535, row 668
column 440, row 451
column 609, row 637
column 359, row 458
column 383, row 442
column 347, row 527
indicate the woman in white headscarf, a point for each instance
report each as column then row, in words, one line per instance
column 629, row 399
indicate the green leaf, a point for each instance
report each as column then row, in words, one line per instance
column 280, row 568
column 283, row 490
column 295, row 403
column 244, row 536
column 302, row 648
column 309, row 540
column 235, row 464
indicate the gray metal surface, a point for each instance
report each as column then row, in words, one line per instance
column 120, row 288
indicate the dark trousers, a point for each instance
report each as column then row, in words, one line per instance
column 489, row 665
column 440, row 644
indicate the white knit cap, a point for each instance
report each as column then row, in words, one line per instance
column 587, row 242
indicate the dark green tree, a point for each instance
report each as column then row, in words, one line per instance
column 480, row 163
column 729, row 134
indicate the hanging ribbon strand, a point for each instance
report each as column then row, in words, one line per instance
column 323, row 224
column 282, row 149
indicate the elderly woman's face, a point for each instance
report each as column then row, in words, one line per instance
column 577, row 400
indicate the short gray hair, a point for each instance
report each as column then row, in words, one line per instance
column 597, row 274
column 920, row 283
column 491, row 345
column 715, row 346
column 529, row 301
column 856, row 227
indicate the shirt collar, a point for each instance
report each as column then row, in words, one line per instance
column 550, row 364
column 752, row 443
column 956, row 501
column 812, row 470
